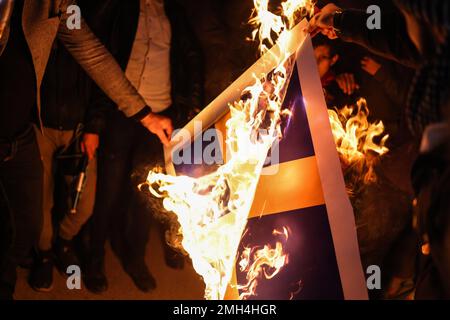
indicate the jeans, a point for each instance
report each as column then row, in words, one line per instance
column 113, row 186
column 20, row 202
column 49, row 143
column 127, row 153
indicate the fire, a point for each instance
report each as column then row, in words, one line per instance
column 270, row 27
column 267, row 262
column 299, row 285
column 213, row 210
column 355, row 140
column 284, row 232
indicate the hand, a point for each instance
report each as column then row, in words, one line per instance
column 347, row 83
column 323, row 22
column 89, row 145
column 159, row 125
column 370, row 66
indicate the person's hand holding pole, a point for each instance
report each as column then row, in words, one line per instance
column 159, row 125
column 322, row 22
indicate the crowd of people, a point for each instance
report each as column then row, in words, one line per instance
column 104, row 99
column 416, row 35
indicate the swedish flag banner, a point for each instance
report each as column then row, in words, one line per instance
column 300, row 202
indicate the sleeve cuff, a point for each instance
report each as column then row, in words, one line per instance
column 142, row 114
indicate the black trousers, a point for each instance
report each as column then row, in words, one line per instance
column 21, row 177
column 122, row 212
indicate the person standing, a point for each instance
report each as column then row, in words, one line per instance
column 27, row 32
column 72, row 121
column 155, row 46
column 418, row 35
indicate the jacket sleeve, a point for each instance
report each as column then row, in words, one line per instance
column 100, row 65
column 391, row 41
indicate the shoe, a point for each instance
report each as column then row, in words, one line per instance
column 41, row 274
column 174, row 259
column 65, row 255
column 142, row 278
column 94, row 276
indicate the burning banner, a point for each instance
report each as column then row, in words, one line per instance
column 256, row 184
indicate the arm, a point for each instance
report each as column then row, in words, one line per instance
column 391, row 41
column 101, row 18
column 101, row 66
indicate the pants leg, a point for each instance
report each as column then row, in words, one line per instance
column 21, row 190
column 147, row 154
column 48, row 144
column 113, row 193
column 72, row 223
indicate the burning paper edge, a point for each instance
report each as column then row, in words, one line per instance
column 339, row 208
column 340, row 211
column 219, row 106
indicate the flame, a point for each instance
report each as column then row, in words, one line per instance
column 355, row 140
column 270, row 27
column 213, row 210
column 256, row 263
column 284, row 232
column 267, row 262
column 299, row 285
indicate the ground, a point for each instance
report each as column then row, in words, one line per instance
column 172, row 284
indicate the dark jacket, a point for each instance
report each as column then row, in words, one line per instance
column 119, row 22
column 66, row 95
column 45, row 20
column 391, row 41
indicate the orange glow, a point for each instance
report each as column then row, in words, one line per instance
column 355, row 140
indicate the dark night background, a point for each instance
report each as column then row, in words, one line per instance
column 222, row 29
